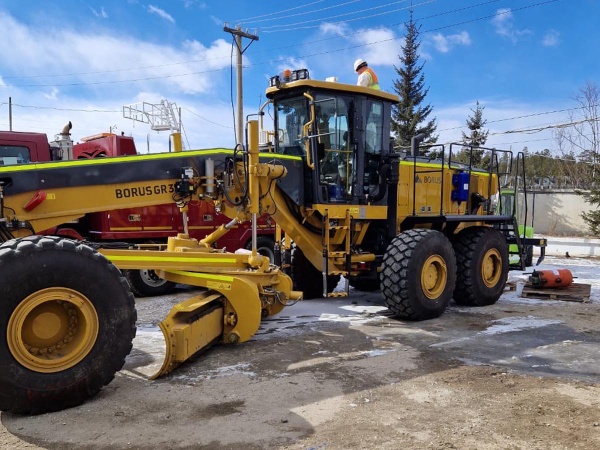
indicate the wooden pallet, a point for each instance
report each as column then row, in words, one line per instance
column 510, row 286
column 577, row 292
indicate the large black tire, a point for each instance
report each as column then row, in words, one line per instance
column 482, row 264
column 529, row 256
column 364, row 284
column 418, row 274
column 146, row 283
column 307, row 278
column 67, row 321
column 265, row 246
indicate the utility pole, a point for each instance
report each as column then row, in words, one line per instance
column 238, row 34
column 10, row 113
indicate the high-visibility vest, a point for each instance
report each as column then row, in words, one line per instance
column 374, row 84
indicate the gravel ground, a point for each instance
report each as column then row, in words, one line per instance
column 343, row 374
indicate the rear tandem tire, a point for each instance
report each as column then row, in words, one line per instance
column 146, row 283
column 482, row 261
column 67, row 319
column 418, row 274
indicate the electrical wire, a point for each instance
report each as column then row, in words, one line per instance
column 207, row 120
column 526, row 116
column 279, row 12
column 322, row 19
column 316, row 11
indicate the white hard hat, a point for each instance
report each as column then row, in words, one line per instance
column 359, row 62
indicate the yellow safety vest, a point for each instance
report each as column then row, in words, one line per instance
column 374, row 84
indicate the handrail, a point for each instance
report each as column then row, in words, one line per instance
column 306, row 128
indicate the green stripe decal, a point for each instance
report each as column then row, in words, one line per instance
column 121, row 159
column 279, row 156
column 113, row 160
column 171, row 259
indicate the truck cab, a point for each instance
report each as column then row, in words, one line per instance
column 21, row 147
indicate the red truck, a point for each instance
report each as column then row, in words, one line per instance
column 149, row 225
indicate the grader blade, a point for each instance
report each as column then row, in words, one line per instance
column 191, row 327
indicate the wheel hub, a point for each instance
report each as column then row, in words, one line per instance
column 434, row 277
column 52, row 329
column 151, row 278
column 491, row 267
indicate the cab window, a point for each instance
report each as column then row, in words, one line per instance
column 335, row 151
column 374, row 128
column 291, row 116
column 14, row 154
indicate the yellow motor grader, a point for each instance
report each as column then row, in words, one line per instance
column 422, row 230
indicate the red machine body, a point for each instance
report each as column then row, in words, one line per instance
column 555, row 278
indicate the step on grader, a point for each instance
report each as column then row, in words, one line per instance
column 422, row 230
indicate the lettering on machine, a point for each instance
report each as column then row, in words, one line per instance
column 143, row 191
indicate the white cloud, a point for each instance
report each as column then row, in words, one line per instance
column 290, row 63
column 52, row 95
column 100, row 14
column 191, row 3
column 160, row 13
column 504, row 25
column 551, row 38
column 336, row 29
column 35, row 51
column 385, row 52
column 445, row 43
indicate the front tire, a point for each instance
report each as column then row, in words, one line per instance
column 146, row 283
column 418, row 274
column 69, row 319
column 529, row 256
column 364, row 284
column 482, row 261
column 307, row 278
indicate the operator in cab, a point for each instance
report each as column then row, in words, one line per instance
column 366, row 75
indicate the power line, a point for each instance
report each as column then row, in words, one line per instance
column 523, row 116
column 95, row 83
column 278, row 12
column 320, row 20
column 98, row 72
column 314, row 11
column 64, row 109
column 205, row 119
column 548, row 127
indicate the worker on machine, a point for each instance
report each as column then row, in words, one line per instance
column 366, row 75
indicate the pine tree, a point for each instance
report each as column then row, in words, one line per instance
column 475, row 123
column 478, row 136
column 409, row 117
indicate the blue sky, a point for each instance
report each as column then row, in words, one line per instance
column 82, row 61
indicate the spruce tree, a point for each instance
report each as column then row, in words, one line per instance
column 409, row 117
column 477, row 136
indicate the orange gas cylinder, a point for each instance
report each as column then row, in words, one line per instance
column 551, row 278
